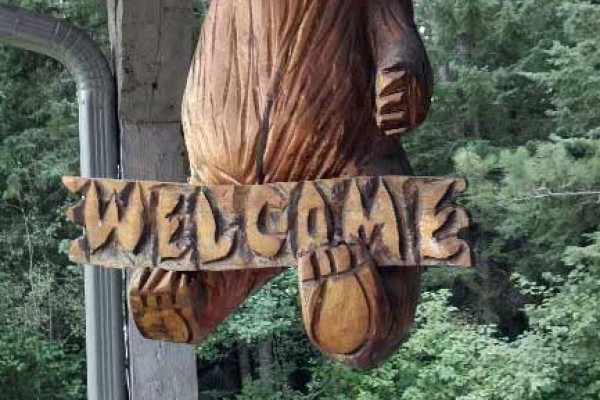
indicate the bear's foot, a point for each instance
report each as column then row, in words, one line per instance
column 344, row 304
column 186, row 307
column 164, row 305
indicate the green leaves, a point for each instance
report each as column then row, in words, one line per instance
column 272, row 312
column 34, row 368
column 544, row 196
column 42, row 318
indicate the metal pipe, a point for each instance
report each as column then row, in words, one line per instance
column 99, row 158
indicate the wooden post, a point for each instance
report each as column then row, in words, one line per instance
column 152, row 42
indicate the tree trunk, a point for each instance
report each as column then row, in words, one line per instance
column 266, row 359
column 245, row 364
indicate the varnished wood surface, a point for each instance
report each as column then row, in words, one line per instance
column 296, row 90
column 353, row 311
column 184, row 307
column 349, row 239
column 289, row 91
column 301, row 90
column 404, row 221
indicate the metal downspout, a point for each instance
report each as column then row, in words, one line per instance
column 99, row 158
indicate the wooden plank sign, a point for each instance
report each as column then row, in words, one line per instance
column 403, row 221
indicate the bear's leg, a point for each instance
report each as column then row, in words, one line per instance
column 352, row 312
column 185, row 307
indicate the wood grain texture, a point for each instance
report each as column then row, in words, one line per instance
column 300, row 90
column 353, row 311
column 403, row 221
column 185, row 307
column 292, row 91
column 281, row 90
column 348, row 238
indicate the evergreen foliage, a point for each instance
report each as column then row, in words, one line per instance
column 42, row 318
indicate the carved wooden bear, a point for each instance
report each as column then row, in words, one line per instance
column 296, row 90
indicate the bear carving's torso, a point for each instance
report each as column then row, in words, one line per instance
column 281, row 90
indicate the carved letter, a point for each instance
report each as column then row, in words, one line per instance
column 313, row 229
column 131, row 227
column 169, row 224
column 99, row 227
column 438, row 229
column 266, row 220
column 210, row 246
column 377, row 227
column 195, row 227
